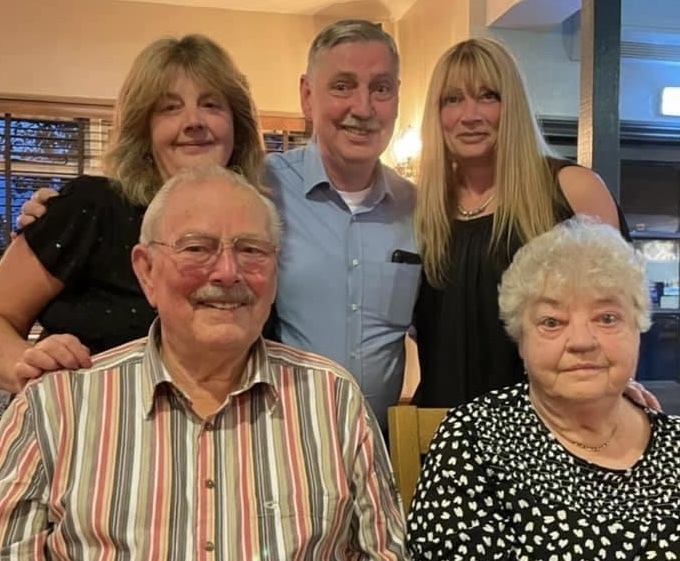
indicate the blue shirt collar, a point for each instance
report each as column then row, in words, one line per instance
column 314, row 175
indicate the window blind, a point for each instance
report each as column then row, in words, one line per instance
column 40, row 152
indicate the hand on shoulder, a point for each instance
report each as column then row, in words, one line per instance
column 56, row 352
column 638, row 393
column 35, row 207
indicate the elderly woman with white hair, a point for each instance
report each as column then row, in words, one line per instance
column 564, row 465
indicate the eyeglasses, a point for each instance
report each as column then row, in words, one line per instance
column 200, row 251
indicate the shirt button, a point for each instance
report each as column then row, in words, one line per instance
column 209, row 546
column 354, row 307
column 355, row 262
column 209, row 427
column 210, row 484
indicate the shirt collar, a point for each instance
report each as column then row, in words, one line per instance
column 315, row 175
column 259, row 373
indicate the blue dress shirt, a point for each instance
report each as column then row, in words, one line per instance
column 340, row 294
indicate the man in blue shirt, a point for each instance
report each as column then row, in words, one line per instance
column 349, row 272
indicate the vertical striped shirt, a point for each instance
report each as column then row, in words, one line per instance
column 112, row 463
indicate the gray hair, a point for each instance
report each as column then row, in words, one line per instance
column 350, row 31
column 579, row 254
column 203, row 174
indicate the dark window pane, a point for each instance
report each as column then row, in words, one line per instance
column 37, row 153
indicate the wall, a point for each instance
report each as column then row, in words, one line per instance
column 551, row 67
column 547, row 57
column 424, row 33
column 552, row 79
column 83, row 48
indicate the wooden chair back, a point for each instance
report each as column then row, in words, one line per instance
column 410, row 432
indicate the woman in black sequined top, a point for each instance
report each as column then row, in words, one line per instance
column 183, row 103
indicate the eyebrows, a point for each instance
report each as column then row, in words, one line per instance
column 194, row 233
column 352, row 76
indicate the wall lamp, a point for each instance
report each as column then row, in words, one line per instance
column 406, row 150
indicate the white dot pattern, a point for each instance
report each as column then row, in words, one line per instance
column 497, row 485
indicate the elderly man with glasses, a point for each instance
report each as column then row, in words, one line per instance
column 202, row 441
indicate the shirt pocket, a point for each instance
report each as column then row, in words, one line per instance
column 301, row 525
column 393, row 291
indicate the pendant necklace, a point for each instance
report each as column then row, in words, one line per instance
column 466, row 214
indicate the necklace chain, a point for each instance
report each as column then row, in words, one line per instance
column 594, row 449
column 599, row 446
column 467, row 214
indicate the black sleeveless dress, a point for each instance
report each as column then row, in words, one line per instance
column 463, row 349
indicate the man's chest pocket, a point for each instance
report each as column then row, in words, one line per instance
column 392, row 291
column 302, row 526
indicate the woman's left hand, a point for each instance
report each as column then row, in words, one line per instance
column 638, row 393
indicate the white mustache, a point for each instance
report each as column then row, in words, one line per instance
column 366, row 126
column 237, row 294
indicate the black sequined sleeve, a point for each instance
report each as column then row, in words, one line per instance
column 64, row 239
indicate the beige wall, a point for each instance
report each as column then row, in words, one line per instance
column 83, row 48
column 424, row 33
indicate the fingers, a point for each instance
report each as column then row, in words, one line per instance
column 35, row 207
column 638, row 393
column 40, row 197
column 55, row 352
column 650, row 400
column 24, row 220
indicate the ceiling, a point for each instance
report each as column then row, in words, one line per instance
column 390, row 10
column 636, row 15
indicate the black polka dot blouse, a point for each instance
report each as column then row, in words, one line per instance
column 496, row 484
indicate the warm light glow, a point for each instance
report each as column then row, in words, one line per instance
column 670, row 102
column 407, row 146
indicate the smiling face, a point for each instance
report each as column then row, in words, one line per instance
column 190, row 126
column 351, row 95
column 579, row 347
column 470, row 122
column 220, row 306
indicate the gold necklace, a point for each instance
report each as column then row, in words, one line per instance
column 468, row 214
column 598, row 447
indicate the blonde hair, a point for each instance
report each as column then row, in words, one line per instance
column 525, row 184
column 128, row 159
column 579, row 255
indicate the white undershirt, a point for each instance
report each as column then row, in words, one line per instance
column 354, row 199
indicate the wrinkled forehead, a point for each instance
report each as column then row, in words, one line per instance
column 216, row 207
column 352, row 56
column 570, row 295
